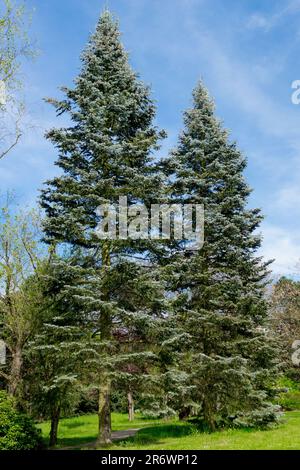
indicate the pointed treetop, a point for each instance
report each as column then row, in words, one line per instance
column 107, row 18
column 105, row 42
column 201, row 115
column 106, row 6
column 202, row 98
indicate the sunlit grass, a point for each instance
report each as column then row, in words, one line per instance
column 83, row 429
column 285, row 436
column 171, row 435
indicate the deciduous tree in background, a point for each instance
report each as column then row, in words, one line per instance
column 285, row 316
column 14, row 46
column 20, row 257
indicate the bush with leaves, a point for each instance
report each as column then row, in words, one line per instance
column 288, row 393
column 17, row 430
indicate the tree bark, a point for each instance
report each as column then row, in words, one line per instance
column 104, row 434
column 55, row 415
column 104, row 411
column 130, row 406
column 15, row 371
column 208, row 414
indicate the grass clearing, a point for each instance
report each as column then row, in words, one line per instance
column 83, row 429
column 175, row 435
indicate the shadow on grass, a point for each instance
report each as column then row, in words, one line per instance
column 73, row 424
column 75, row 441
column 155, row 434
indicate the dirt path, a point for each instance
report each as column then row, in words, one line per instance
column 115, row 436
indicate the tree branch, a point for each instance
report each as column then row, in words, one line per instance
column 5, row 152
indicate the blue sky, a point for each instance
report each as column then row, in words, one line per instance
column 247, row 53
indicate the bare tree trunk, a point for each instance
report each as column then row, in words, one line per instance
column 15, row 371
column 130, row 406
column 104, row 412
column 54, row 427
column 104, row 434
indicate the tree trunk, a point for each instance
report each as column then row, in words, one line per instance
column 104, row 412
column 208, row 414
column 130, row 406
column 54, row 427
column 15, row 371
column 184, row 413
column 104, row 434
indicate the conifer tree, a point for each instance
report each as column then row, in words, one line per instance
column 227, row 360
column 54, row 368
column 106, row 153
column 53, row 373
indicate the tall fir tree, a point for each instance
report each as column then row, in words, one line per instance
column 227, row 360
column 106, row 153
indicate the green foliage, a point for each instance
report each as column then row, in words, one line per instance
column 14, row 40
column 288, row 384
column 182, row 332
column 228, row 357
column 289, row 400
column 17, row 431
column 288, row 393
column 285, row 322
column 88, row 402
column 106, row 153
column 53, row 376
column 21, row 264
column 119, row 401
column 15, row 45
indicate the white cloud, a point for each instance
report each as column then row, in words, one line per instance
column 289, row 198
column 283, row 246
column 258, row 21
column 267, row 22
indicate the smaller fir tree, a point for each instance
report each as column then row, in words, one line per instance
column 227, row 356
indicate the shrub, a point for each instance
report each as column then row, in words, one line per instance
column 290, row 401
column 87, row 403
column 265, row 418
column 17, row 430
column 288, row 396
column 119, row 401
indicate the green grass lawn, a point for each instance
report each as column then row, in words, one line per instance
column 171, row 435
column 83, row 429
